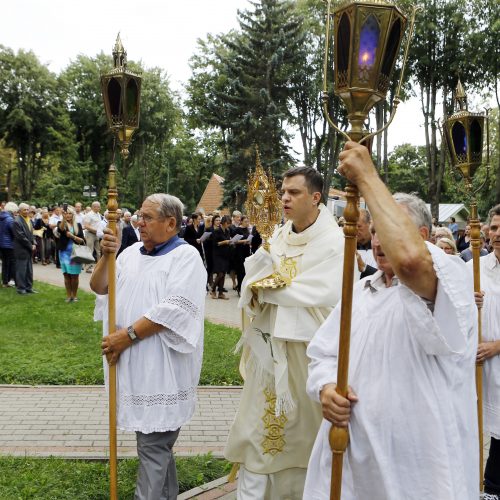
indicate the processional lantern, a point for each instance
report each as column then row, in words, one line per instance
column 367, row 39
column 463, row 134
column 121, row 92
column 464, row 137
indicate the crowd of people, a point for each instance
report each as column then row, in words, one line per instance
column 46, row 235
column 223, row 243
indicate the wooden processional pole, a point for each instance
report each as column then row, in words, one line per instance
column 475, row 243
column 113, row 453
column 339, row 436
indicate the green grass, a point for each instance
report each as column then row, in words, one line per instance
column 44, row 340
column 59, row 479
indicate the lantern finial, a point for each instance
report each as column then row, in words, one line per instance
column 119, row 53
column 461, row 96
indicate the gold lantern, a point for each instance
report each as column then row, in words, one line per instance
column 121, row 91
column 464, row 136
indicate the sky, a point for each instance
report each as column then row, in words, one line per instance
column 160, row 33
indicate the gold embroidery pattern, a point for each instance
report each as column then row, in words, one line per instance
column 288, row 268
column 274, row 427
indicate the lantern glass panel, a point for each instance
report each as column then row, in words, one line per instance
column 476, row 139
column 368, row 43
column 132, row 95
column 342, row 47
column 114, row 97
column 392, row 48
column 459, row 139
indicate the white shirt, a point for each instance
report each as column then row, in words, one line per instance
column 157, row 376
column 54, row 219
column 79, row 218
column 490, row 283
column 413, row 432
column 93, row 219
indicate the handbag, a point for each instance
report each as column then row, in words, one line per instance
column 81, row 254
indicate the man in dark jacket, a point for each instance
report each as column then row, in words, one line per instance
column 130, row 234
column 7, row 243
column 24, row 244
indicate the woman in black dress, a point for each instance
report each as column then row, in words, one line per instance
column 221, row 254
column 242, row 251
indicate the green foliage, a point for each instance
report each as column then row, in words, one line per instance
column 246, row 96
column 408, row 170
column 33, row 118
column 59, row 343
column 59, row 479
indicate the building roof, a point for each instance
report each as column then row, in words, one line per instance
column 212, row 196
column 447, row 210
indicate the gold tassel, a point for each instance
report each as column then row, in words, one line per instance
column 232, row 475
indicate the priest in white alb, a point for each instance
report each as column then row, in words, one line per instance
column 488, row 353
column 158, row 342
column 276, row 423
column 411, row 407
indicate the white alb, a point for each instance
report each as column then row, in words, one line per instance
column 413, row 432
column 157, row 377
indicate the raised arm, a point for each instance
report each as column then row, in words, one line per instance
column 402, row 242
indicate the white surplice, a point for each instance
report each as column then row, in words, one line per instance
column 157, row 376
column 490, row 284
column 276, row 422
column 413, row 432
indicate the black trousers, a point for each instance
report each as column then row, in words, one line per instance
column 8, row 265
column 492, row 470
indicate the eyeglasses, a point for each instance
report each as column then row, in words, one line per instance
column 147, row 218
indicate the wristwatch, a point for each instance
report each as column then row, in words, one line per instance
column 132, row 334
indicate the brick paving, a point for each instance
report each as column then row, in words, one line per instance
column 72, row 421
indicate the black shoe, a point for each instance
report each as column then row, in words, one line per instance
column 224, row 290
column 31, row 291
column 22, row 292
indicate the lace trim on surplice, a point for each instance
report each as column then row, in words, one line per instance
column 157, row 399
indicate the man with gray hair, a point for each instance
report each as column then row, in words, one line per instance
column 24, row 246
column 158, row 343
column 411, row 404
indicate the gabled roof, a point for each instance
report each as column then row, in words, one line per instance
column 213, row 195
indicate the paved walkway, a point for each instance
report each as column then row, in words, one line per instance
column 72, row 422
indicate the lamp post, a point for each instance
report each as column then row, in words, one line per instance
column 367, row 40
column 463, row 133
column 121, row 90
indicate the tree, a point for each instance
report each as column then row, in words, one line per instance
column 408, row 170
column 440, row 50
column 248, row 95
column 486, row 56
column 33, row 117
